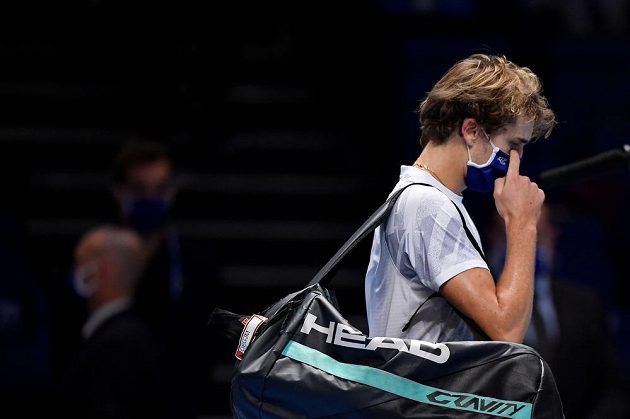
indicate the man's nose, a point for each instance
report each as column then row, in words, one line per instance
column 519, row 149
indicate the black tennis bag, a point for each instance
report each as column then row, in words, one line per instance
column 300, row 358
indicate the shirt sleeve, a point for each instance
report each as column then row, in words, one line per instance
column 436, row 243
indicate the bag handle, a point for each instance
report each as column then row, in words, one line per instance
column 324, row 276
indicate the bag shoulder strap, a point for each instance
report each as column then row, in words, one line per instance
column 470, row 235
column 324, row 276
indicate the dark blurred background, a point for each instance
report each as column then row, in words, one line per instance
column 287, row 124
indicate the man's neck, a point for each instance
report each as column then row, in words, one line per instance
column 447, row 164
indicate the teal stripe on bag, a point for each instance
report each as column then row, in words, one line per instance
column 404, row 387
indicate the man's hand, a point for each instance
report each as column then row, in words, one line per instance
column 517, row 198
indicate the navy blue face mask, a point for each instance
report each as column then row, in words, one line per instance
column 481, row 177
column 147, row 215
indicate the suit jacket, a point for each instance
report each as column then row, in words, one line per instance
column 114, row 374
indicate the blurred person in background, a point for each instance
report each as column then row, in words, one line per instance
column 178, row 288
column 570, row 328
column 144, row 192
column 115, row 372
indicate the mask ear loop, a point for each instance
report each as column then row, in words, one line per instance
column 494, row 147
column 495, row 150
column 486, row 135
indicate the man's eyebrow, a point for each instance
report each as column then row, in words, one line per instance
column 523, row 140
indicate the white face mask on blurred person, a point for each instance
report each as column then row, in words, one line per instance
column 84, row 279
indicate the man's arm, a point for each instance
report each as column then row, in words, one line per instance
column 503, row 310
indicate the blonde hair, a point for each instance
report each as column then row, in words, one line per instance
column 489, row 88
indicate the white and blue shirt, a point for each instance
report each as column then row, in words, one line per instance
column 420, row 246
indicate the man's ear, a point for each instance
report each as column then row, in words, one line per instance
column 470, row 131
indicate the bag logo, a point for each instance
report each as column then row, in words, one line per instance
column 251, row 325
column 345, row 335
column 480, row 404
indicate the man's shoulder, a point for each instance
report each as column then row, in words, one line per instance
column 426, row 198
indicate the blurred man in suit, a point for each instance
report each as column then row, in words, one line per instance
column 115, row 372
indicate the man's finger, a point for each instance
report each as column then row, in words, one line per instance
column 499, row 183
column 515, row 164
